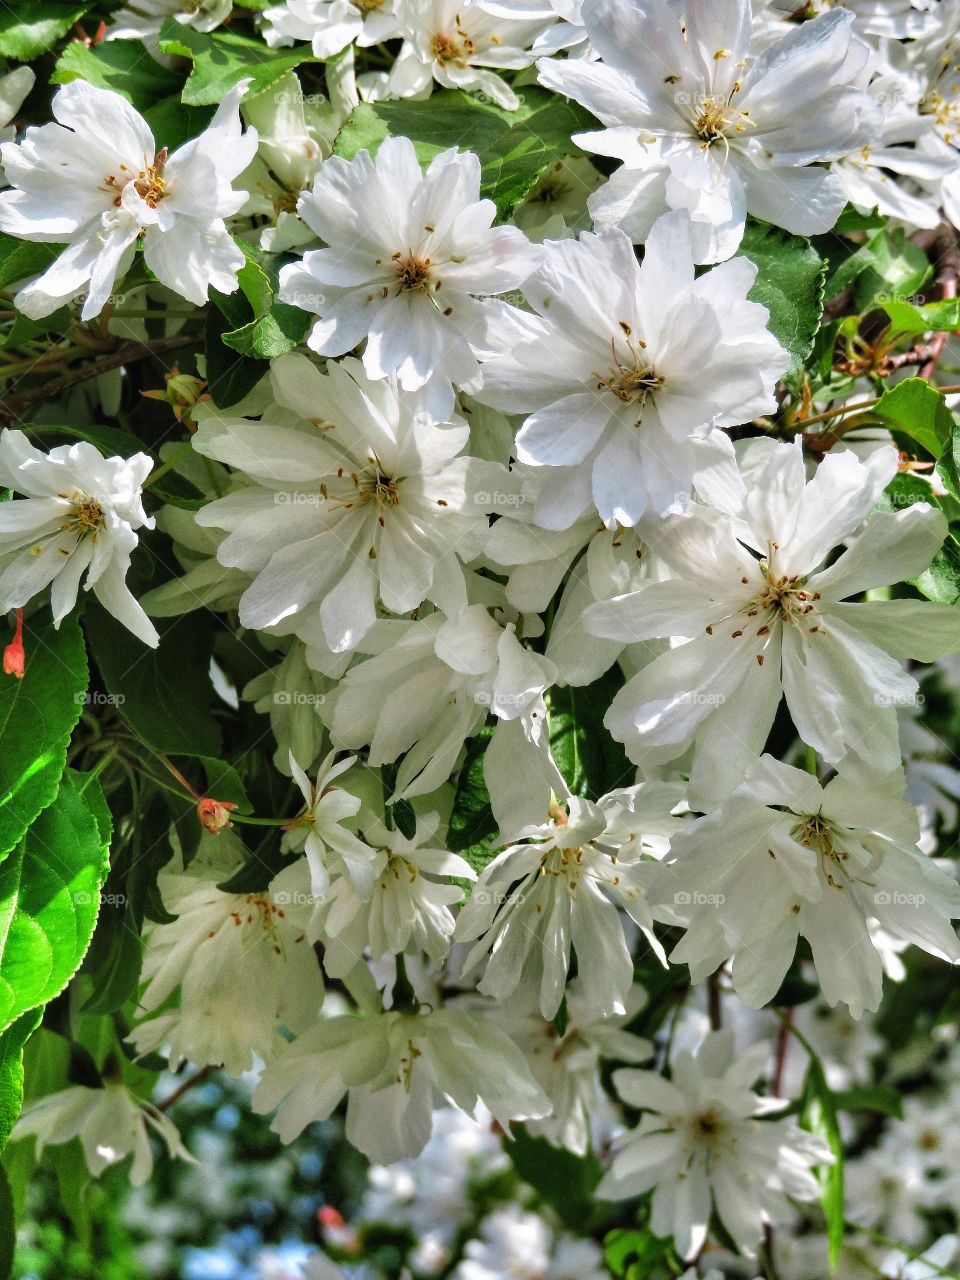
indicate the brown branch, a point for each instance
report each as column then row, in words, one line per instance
column 12, row 410
column 197, row 1078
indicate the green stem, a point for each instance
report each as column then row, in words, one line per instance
column 169, row 464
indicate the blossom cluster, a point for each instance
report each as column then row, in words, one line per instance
column 560, row 543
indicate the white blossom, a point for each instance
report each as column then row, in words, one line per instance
column 98, row 180
column 703, row 123
column 79, row 516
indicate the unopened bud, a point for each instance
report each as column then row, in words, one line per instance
column 182, row 392
column 214, row 815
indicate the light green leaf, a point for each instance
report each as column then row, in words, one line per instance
column 222, row 58
column 49, row 901
column 790, row 276
column 120, row 65
column 37, row 716
column 31, row 27
column 941, row 581
column 909, row 318
column 514, row 147
column 916, row 409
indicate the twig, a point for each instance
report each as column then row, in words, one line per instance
column 127, row 353
column 187, row 1085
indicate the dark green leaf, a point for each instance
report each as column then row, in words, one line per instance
column 21, row 258
column 230, row 376
column 473, row 829
column 164, row 694
column 941, row 581
column 514, row 147
column 37, row 716
column 590, row 761
column 872, row 1097
column 8, row 1227
column 790, row 279
column 565, row 1181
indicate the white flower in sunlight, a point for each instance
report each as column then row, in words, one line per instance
column 110, row 1123
column 79, row 515
column 409, row 906
column 558, row 890
column 143, row 19
column 411, row 264
column 629, row 363
column 767, row 616
column 359, row 496
column 396, row 1068
column 462, row 44
column 96, row 179
column 330, row 25
column 702, row 1146
column 785, row 858
column 701, row 124
column 14, row 87
column 244, row 968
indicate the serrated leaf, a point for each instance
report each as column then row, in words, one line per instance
column 163, row 694
column 789, row 283
column 222, row 58
column 31, row 27
column 514, row 147
column 916, row 409
column 49, row 901
column 37, row 716
column 11, row 1070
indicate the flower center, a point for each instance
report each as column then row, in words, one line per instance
column 412, row 272
column 148, row 183
column 633, row 378
column 86, row 518
column 713, row 119
column 814, row 832
column 453, row 46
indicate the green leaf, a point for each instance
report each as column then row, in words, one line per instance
column 893, row 266
column 819, row 1115
column 790, row 283
column 222, row 58
column 21, row 258
column 948, row 466
column 49, row 901
column 908, row 318
column 277, row 327
column 164, row 694
column 31, row 27
column 37, row 716
column 904, row 490
column 941, row 581
column 120, row 65
column 565, row 1181
column 514, row 147
column 633, row 1252
column 872, row 1097
column 11, row 1070
column 590, row 761
column 230, row 375
column 916, row 409
column 473, row 829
